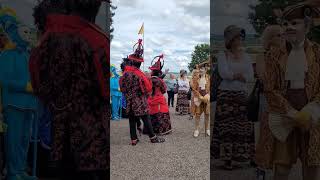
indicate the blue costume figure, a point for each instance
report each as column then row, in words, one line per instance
column 19, row 105
column 115, row 93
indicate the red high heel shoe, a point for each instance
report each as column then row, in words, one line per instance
column 134, row 142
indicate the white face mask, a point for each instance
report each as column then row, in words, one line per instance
column 25, row 33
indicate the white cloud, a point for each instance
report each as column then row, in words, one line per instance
column 227, row 12
column 167, row 52
column 171, row 27
column 148, row 51
column 195, row 8
column 126, row 3
column 183, row 64
column 116, row 44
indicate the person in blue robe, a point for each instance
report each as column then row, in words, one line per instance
column 20, row 107
column 115, row 94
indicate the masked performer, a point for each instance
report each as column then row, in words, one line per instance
column 20, row 107
column 70, row 74
column 159, row 110
column 115, row 94
column 200, row 85
column 5, row 44
column 292, row 89
column 137, row 87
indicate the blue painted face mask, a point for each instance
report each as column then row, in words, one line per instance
column 11, row 26
column 114, row 71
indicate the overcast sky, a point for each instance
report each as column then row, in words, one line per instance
column 172, row 27
column 227, row 12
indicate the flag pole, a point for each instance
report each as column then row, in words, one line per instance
column 143, row 47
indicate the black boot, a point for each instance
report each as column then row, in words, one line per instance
column 157, row 139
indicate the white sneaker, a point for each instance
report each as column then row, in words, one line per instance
column 208, row 132
column 196, row 133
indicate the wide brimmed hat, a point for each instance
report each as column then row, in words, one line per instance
column 300, row 11
column 183, row 72
column 232, row 32
column 157, row 65
column 138, row 52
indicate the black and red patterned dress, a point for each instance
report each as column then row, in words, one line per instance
column 159, row 111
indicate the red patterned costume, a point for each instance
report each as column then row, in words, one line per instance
column 70, row 75
column 159, row 110
column 137, row 87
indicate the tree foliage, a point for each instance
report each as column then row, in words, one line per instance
column 200, row 54
column 262, row 15
column 110, row 14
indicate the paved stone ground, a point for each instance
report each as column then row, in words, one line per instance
column 181, row 157
column 244, row 172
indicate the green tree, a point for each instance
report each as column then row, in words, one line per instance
column 109, row 18
column 200, row 54
column 262, row 15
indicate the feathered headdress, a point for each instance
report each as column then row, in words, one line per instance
column 138, row 52
column 157, row 65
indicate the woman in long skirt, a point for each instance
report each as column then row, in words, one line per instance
column 159, row 110
column 233, row 133
column 183, row 104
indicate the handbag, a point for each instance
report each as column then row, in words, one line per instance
column 189, row 94
column 254, row 103
column 176, row 88
column 215, row 81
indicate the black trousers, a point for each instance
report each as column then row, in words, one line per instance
column 139, row 123
column 170, row 98
column 134, row 120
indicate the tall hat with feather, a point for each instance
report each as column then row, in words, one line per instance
column 138, row 52
column 156, row 64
